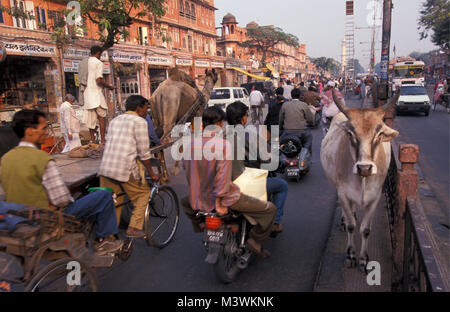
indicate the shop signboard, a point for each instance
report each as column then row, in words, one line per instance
column 125, row 57
column 71, row 66
column 201, row 64
column 159, row 60
column 184, row 62
column 30, row 49
column 2, row 52
column 217, row 65
column 82, row 53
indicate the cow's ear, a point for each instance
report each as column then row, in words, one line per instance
column 388, row 134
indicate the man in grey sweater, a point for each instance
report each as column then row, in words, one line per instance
column 294, row 116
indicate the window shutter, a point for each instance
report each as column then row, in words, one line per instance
column 29, row 7
column 1, row 17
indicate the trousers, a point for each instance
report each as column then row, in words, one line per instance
column 138, row 193
column 99, row 206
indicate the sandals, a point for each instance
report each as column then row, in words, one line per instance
column 256, row 248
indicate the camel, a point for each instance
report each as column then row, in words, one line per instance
column 173, row 98
column 176, row 95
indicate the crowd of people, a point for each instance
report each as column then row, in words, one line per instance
column 126, row 155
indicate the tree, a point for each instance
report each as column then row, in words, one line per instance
column 435, row 18
column 425, row 57
column 265, row 39
column 327, row 64
column 358, row 67
column 112, row 17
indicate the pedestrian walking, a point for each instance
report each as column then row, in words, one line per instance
column 256, row 104
column 94, row 99
column 70, row 125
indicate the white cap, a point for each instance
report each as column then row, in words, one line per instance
column 331, row 84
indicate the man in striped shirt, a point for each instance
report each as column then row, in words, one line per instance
column 30, row 177
column 210, row 185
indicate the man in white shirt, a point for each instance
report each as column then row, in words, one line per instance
column 70, row 125
column 256, row 102
column 82, row 79
column 94, row 100
column 287, row 90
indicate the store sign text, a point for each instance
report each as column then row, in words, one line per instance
column 217, row 65
column 153, row 60
column 201, row 64
column 184, row 62
column 27, row 49
column 124, row 57
column 71, row 66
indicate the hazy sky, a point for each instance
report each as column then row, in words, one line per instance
column 321, row 24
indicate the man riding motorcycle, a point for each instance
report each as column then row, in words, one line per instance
column 294, row 117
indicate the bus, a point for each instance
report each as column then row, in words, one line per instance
column 408, row 72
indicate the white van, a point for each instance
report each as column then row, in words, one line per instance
column 222, row 97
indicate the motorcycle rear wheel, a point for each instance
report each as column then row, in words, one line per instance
column 226, row 267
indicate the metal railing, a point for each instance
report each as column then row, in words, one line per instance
column 415, row 266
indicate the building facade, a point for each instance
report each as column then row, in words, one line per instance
column 37, row 73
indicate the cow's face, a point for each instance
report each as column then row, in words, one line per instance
column 366, row 132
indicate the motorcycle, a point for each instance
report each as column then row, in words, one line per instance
column 297, row 159
column 225, row 240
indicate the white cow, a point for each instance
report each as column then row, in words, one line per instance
column 355, row 156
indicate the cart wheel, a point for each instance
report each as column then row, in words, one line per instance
column 57, row 275
column 126, row 250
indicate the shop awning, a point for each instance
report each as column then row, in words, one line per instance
column 251, row 75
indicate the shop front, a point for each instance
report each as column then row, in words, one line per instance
column 157, row 70
column 127, row 71
column 29, row 78
column 185, row 65
column 200, row 67
column 219, row 66
column 72, row 58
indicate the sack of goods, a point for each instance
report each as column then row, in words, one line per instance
column 90, row 150
column 252, row 182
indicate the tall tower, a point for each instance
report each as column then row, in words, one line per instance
column 350, row 39
column 343, row 56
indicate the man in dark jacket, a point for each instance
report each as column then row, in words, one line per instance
column 273, row 116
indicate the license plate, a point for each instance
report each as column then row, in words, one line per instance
column 214, row 236
column 293, row 172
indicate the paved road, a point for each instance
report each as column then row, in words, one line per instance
column 432, row 135
column 296, row 253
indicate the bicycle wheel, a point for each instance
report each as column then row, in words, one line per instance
column 61, row 276
column 161, row 217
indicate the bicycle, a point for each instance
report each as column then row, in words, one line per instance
column 161, row 215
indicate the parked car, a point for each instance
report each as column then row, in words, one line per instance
column 413, row 98
column 222, row 97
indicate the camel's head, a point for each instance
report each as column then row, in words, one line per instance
column 211, row 73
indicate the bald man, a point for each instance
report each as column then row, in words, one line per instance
column 70, row 125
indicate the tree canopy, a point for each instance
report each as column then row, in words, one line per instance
column 113, row 17
column 265, row 39
column 327, row 64
column 435, row 18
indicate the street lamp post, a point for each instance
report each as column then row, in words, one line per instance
column 386, row 44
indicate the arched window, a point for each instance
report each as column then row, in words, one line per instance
column 127, row 86
column 186, row 9
column 136, row 88
column 181, row 7
column 193, row 11
column 123, row 87
column 184, row 43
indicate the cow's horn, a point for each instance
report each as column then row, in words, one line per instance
column 340, row 104
column 392, row 101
